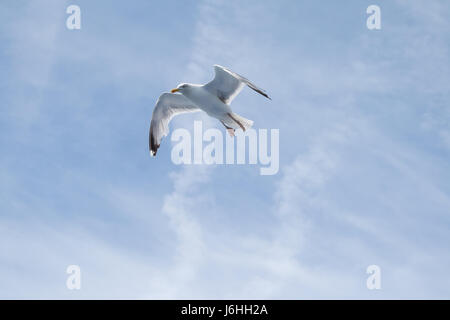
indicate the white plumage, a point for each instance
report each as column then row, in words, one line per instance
column 214, row 98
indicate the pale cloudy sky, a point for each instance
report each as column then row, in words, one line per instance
column 364, row 120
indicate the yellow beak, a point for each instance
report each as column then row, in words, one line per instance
column 174, row 90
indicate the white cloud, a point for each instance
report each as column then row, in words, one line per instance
column 355, row 187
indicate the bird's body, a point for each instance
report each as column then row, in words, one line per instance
column 214, row 98
column 206, row 101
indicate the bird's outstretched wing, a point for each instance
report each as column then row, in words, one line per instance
column 168, row 106
column 227, row 84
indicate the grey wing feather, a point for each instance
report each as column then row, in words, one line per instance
column 227, row 84
column 167, row 106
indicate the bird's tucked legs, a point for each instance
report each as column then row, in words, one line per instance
column 235, row 120
column 229, row 129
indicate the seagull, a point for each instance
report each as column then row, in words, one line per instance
column 214, row 98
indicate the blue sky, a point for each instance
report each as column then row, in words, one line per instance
column 364, row 151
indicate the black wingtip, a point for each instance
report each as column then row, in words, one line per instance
column 264, row 94
column 152, row 145
column 261, row 92
column 154, row 150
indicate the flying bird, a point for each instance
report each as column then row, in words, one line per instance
column 214, row 98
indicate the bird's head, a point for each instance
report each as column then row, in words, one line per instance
column 183, row 87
